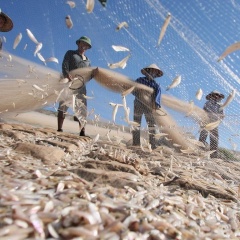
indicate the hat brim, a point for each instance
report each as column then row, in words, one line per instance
column 219, row 95
column 145, row 72
column 8, row 25
column 90, row 46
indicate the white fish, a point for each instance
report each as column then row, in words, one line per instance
column 122, row 64
column 228, row 100
column 230, row 49
column 176, row 81
column 31, row 36
column 212, row 125
column 114, row 113
column 17, row 40
column 9, row 58
column 25, row 47
column 64, row 80
column 37, row 87
column 128, row 91
column 199, row 94
column 120, row 48
column 71, row 4
column 90, row 5
column 87, row 97
column 164, row 28
column 121, row 25
column 38, row 48
column 68, row 21
column 52, row 59
column 41, row 58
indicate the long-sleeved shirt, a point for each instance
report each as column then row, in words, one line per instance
column 152, row 84
column 73, row 60
column 212, row 107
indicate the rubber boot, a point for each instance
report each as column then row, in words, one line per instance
column 82, row 132
column 60, row 124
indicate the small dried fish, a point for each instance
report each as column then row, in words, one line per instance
column 176, row 81
column 199, row 94
column 90, row 5
column 71, row 4
column 37, row 87
column 229, row 50
column 41, row 58
column 38, row 48
column 121, row 25
column 52, row 59
column 228, row 100
column 31, row 36
column 17, row 40
column 212, row 125
column 68, row 21
column 120, row 48
column 164, row 28
column 122, row 64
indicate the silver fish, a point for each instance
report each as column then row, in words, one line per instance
column 31, row 36
column 164, row 28
column 176, row 81
column 17, row 40
column 52, row 59
column 229, row 50
column 122, row 64
column 120, row 48
column 68, row 21
column 229, row 99
column 199, row 94
column 212, row 125
column 41, row 58
column 90, row 5
column 71, row 4
column 38, row 48
column 121, row 25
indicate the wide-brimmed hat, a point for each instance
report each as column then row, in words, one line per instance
column 145, row 71
column 8, row 25
column 215, row 94
column 84, row 39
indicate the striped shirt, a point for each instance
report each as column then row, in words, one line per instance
column 212, row 107
column 152, row 84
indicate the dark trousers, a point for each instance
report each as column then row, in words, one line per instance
column 214, row 137
column 140, row 110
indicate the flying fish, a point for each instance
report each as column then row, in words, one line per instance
column 52, row 59
column 230, row 49
column 176, row 81
column 71, row 4
column 31, row 36
column 38, row 48
column 17, row 40
column 120, row 48
column 164, row 28
column 68, row 21
column 199, row 94
column 121, row 25
column 212, row 125
column 229, row 99
column 122, row 64
column 41, row 58
column 90, row 5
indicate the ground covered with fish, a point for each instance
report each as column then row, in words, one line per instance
column 61, row 186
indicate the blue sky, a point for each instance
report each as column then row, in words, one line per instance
column 198, row 33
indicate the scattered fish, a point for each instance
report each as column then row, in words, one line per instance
column 37, row 87
column 229, row 50
column 31, row 36
column 17, row 40
column 120, row 48
column 199, row 94
column 164, row 28
column 122, row 64
column 71, row 4
column 229, row 99
column 121, row 25
column 52, row 59
column 176, row 81
column 41, row 58
column 25, row 47
column 38, row 48
column 68, row 21
column 212, row 125
column 90, row 5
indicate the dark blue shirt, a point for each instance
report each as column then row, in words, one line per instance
column 152, row 84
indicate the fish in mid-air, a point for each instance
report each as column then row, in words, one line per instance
column 229, row 99
column 121, row 25
column 176, row 81
column 164, row 28
column 71, row 4
column 122, row 64
column 68, row 21
column 120, row 48
column 230, row 49
column 199, row 94
column 90, row 5
column 31, row 36
column 17, row 40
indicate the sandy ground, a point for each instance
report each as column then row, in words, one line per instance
column 49, row 121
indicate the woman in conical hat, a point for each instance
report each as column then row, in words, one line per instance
column 151, row 72
column 216, row 95
column 6, row 23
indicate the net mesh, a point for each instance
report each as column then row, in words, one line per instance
column 198, row 33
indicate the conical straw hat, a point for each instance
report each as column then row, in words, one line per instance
column 144, row 71
column 8, row 25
